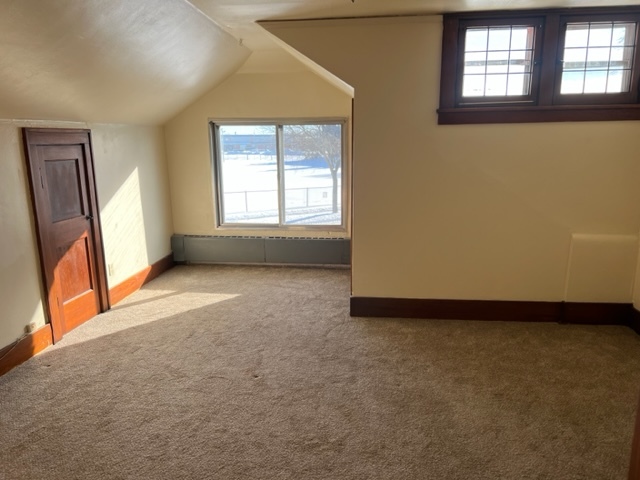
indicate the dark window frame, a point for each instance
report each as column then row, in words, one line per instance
column 499, row 100
column 546, row 104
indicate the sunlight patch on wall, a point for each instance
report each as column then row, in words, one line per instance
column 122, row 219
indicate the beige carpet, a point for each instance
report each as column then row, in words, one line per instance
column 220, row 372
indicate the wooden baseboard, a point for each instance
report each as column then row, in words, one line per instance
column 133, row 283
column 561, row 312
column 634, row 320
column 634, row 467
column 32, row 344
column 596, row 313
column 13, row 355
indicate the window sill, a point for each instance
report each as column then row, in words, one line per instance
column 269, row 230
column 536, row 114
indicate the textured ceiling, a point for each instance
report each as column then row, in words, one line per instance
column 142, row 61
column 123, row 61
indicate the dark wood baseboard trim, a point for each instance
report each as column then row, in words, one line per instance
column 634, row 323
column 19, row 352
column 453, row 309
column 133, row 283
column 560, row 312
column 596, row 313
column 634, row 467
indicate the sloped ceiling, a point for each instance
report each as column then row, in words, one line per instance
column 143, row 61
column 122, row 61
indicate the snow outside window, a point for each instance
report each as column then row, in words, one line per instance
column 280, row 174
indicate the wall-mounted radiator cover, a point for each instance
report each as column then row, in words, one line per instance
column 274, row 250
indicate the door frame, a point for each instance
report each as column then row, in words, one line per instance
column 63, row 136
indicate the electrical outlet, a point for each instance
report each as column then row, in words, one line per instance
column 30, row 328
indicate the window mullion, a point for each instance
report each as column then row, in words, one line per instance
column 550, row 63
column 216, row 143
column 451, row 62
column 281, row 186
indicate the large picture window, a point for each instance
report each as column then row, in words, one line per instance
column 538, row 66
column 280, row 174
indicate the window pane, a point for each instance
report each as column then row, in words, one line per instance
column 598, row 58
column 575, row 58
column 518, row 84
column 498, row 62
column 621, row 57
column 521, row 38
column 520, row 61
column 499, row 38
column 624, row 34
column 577, row 35
column 249, row 174
column 475, row 62
column 600, row 34
column 473, row 85
column 595, row 82
column 615, row 81
column 592, row 51
column 496, row 52
column 476, row 40
column 313, row 174
column 572, row 82
column 496, row 85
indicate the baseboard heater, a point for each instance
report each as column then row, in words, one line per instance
column 252, row 250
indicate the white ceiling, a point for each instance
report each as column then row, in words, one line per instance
column 142, row 61
column 120, row 61
column 238, row 17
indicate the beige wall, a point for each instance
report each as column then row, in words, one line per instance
column 636, row 285
column 478, row 211
column 131, row 179
column 20, row 291
column 133, row 191
column 242, row 96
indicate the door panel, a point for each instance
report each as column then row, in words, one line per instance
column 64, row 188
column 65, row 207
column 74, row 268
column 82, row 308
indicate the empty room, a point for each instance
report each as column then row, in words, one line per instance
column 319, row 239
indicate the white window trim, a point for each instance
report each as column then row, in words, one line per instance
column 215, row 123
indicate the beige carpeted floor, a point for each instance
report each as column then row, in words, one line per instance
column 222, row 372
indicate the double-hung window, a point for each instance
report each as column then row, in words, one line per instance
column 497, row 61
column 275, row 174
column 537, row 66
column 598, row 61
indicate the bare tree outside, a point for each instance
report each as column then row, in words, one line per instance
column 318, row 141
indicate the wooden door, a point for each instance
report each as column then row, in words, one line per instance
column 67, row 222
